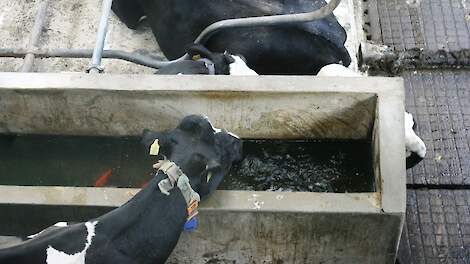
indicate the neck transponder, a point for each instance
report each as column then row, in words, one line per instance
column 176, row 175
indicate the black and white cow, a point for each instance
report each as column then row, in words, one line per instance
column 288, row 49
column 147, row 227
column 203, row 61
column 415, row 148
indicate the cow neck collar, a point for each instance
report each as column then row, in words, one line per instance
column 176, row 176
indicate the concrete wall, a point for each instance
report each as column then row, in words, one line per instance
column 234, row 226
column 265, row 107
column 255, row 236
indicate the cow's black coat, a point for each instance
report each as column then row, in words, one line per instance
column 288, row 49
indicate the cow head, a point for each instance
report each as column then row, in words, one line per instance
column 224, row 63
column 204, row 153
column 221, row 60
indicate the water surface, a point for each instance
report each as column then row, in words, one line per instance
column 318, row 166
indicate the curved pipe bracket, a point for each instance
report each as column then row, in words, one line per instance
column 273, row 20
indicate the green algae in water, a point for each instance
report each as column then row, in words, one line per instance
column 303, row 166
column 276, row 165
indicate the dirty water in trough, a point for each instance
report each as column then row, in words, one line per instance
column 273, row 165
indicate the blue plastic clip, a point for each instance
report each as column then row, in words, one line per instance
column 190, row 225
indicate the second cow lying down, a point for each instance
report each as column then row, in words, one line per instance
column 288, row 49
column 147, row 227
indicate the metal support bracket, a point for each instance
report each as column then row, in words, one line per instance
column 100, row 38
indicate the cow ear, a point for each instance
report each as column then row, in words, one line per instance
column 198, row 49
column 149, row 138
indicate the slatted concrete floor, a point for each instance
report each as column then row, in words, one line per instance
column 438, row 202
column 438, row 220
column 440, row 103
column 427, row 24
column 438, row 225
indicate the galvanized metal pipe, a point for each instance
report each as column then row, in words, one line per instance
column 100, row 37
column 35, row 35
column 99, row 53
column 86, row 53
column 274, row 20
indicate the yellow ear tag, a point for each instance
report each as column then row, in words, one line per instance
column 154, row 148
column 209, row 176
column 196, row 57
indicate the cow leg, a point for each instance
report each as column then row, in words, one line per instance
column 128, row 11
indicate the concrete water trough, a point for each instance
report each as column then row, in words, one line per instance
column 236, row 226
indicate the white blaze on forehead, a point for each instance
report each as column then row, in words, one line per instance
column 240, row 68
column 55, row 256
column 412, row 142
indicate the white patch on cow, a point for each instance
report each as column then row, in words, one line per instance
column 217, row 130
column 61, row 224
column 142, row 19
column 233, row 135
column 412, row 142
column 337, row 70
column 240, row 68
column 58, row 224
column 33, row 236
column 55, row 256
